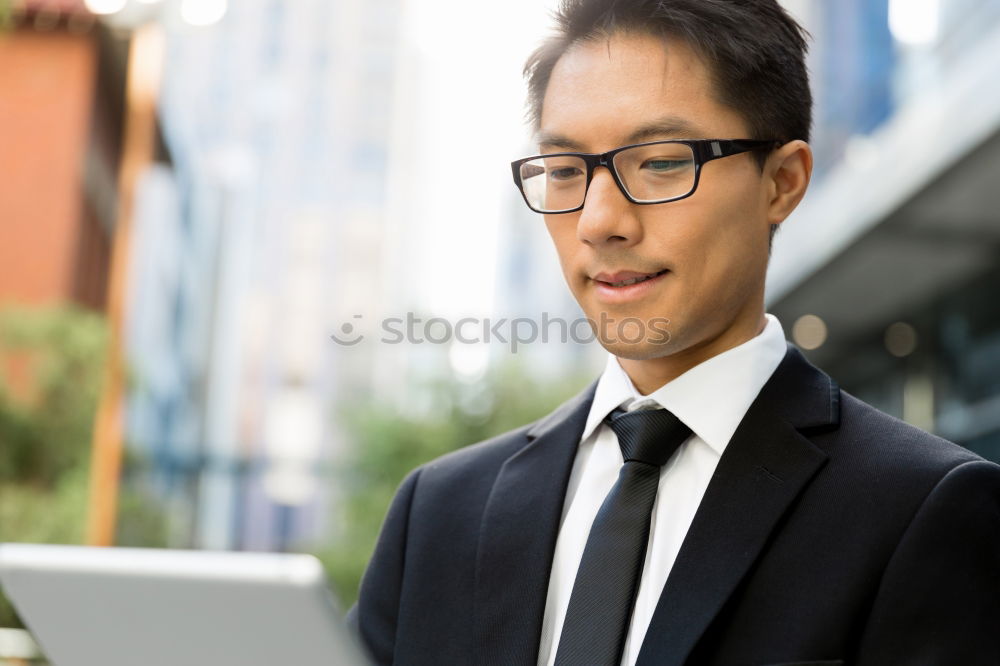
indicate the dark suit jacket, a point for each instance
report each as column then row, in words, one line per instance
column 830, row 533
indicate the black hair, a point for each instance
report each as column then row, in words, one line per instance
column 754, row 51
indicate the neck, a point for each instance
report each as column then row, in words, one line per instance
column 650, row 374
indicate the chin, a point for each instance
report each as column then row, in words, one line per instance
column 639, row 351
column 637, row 335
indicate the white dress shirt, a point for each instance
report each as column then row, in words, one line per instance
column 711, row 399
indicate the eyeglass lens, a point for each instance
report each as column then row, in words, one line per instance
column 649, row 173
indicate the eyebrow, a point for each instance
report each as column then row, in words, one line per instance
column 668, row 126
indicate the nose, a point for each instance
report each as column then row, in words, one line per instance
column 607, row 216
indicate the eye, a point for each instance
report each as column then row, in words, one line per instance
column 564, row 172
column 665, row 164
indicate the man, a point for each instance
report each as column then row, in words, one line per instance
column 776, row 519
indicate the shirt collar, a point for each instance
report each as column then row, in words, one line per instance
column 710, row 398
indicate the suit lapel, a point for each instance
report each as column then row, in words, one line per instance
column 518, row 536
column 766, row 465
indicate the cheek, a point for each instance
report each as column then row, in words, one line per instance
column 720, row 249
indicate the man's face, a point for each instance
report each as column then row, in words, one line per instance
column 709, row 250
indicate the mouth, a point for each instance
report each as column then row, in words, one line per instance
column 626, row 278
column 625, row 287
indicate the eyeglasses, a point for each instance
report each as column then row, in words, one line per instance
column 646, row 173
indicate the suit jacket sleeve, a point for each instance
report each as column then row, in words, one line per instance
column 939, row 599
column 374, row 618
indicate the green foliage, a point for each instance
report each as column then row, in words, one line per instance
column 47, row 434
column 5, row 15
column 46, row 421
column 389, row 444
column 31, row 515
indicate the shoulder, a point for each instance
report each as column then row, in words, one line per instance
column 475, row 461
column 893, row 459
column 943, row 551
column 885, row 436
column 461, row 479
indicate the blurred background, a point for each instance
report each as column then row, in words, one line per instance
column 210, row 208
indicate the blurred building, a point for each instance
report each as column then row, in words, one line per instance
column 463, row 253
column 889, row 271
column 531, row 286
column 62, row 82
column 265, row 236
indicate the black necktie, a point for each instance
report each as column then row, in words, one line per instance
column 600, row 606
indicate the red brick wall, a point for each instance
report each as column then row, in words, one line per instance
column 46, row 97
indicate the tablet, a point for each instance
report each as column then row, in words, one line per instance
column 130, row 606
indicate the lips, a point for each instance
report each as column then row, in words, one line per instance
column 626, row 278
column 622, row 288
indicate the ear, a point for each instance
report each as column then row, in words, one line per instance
column 788, row 171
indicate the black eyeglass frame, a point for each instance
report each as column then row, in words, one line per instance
column 704, row 151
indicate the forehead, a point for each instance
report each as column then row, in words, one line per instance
column 602, row 91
